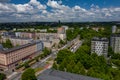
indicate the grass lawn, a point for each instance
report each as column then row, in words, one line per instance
column 38, row 69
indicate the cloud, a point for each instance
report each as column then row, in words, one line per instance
column 35, row 11
column 56, row 4
column 20, row 12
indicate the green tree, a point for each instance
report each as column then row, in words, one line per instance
column 26, row 64
column 29, row 74
column 62, row 54
column 72, row 33
column 2, row 76
column 69, row 68
column 7, row 44
column 46, row 51
column 37, row 59
column 110, row 51
column 55, row 66
column 81, row 68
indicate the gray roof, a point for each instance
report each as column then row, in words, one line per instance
column 51, row 74
column 21, row 38
column 100, row 39
column 19, row 47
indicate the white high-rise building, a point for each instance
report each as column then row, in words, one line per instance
column 114, row 28
column 99, row 46
column 115, row 43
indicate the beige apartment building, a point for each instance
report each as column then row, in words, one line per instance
column 17, row 41
column 11, row 58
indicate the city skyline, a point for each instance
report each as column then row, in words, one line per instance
column 54, row 10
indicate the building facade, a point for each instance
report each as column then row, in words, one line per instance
column 99, row 46
column 42, row 36
column 11, row 58
column 17, row 41
column 114, row 28
column 115, row 42
column 62, row 32
column 25, row 34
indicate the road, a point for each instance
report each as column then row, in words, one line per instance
column 17, row 76
column 76, row 46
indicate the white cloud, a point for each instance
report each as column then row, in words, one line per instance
column 55, row 4
column 35, row 11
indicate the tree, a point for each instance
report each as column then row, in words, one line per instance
column 110, row 51
column 83, row 62
column 62, row 42
column 2, row 76
column 62, row 66
column 81, row 68
column 116, row 56
column 46, row 51
column 8, row 44
column 69, row 68
column 29, row 74
column 116, row 74
column 76, row 69
column 62, row 54
column 37, row 59
column 55, row 66
column 72, row 33
column 26, row 64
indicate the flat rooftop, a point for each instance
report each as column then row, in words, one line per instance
column 51, row 74
column 18, row 47
column 100, row 39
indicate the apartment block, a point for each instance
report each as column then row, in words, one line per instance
column 114, row 28
column 115, row 42
column 99, row 46
column 17, row 41
column 41, row 36
column 10, row 58
column 25, row 34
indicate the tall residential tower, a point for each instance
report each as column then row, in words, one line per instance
column 99, row 46
column 115, row 42
column 114, row 28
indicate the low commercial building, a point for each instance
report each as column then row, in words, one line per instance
column 99, row 46
column 48, row 44
column 10, row 58
column 62, row 33
column 61, row 30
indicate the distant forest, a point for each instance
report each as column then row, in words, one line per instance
column 41, row 25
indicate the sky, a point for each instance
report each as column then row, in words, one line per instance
column 63, row 10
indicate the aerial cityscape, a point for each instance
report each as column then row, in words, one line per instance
column 59, row 40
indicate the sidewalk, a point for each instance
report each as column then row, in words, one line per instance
column 14, row 73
